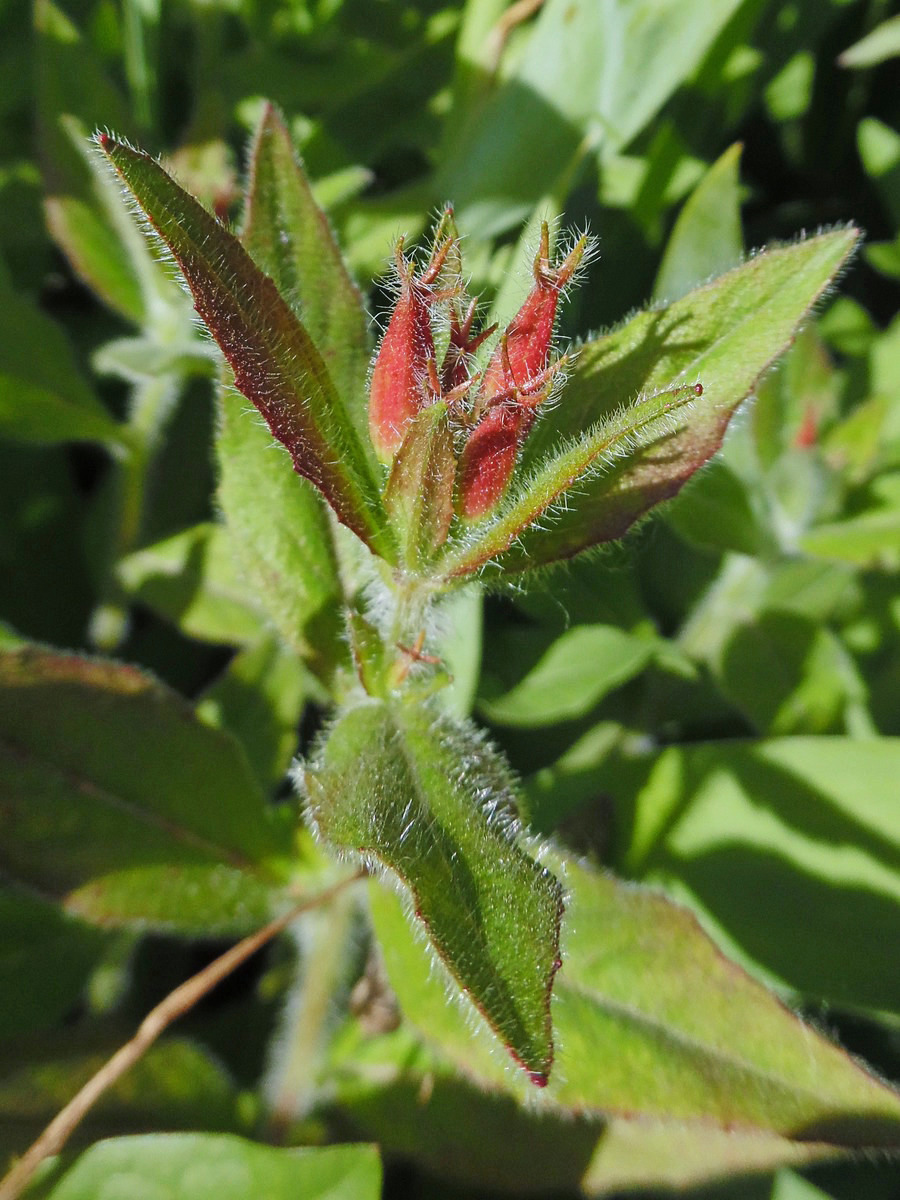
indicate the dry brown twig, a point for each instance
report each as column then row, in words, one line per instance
column 175, row 1005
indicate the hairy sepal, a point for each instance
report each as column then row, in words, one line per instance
column 275, row 361
column 651, row 421
column 428, row 799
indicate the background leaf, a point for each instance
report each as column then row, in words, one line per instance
column 178, row 1166
column 118, row 800
column 762, row 835
column 637, row 1036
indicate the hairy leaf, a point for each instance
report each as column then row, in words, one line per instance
column 275, row 361
column 427, row 798
column 288, row 237
column 722, row 336
column 116, row 798
column 651, row 1020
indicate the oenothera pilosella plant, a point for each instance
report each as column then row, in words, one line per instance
column 458, row 453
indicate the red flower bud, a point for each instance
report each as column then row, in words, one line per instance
column 399, row 385
column 529, row 336
column 489, row 456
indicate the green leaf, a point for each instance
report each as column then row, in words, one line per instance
column 764, row 834
column 259, row 699
column 191, row 580
column 85, row 210
column 484, row 1139
column 880, row 44
column 276, row 363
column 786, row 673
column 288, row 237
column 651, row 1021
column 589, row 76
column 706, row 240
column 715, row 512
column 280, row 536
column 34, row 935
column 43, row 395
column 723, row 335
column 871, row 540
column 176, row 1083
column 428, row 799
column 120, row 801
column 577, row 671
column 171, row 1166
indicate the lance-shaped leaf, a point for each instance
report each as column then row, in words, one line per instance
column 651, row 1020
column 404, row 788
column 115, row 798
column 275, row 361
column 289, row 237
column 722, row 336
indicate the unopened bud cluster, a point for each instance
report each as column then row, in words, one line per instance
column 489, row 412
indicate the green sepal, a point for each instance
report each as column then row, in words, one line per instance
column 419, row 491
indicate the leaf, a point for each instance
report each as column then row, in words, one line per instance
column 259, row 699
column 651, row 1021
column 35, row 936
column 593, row 75
column 880, row 44
column 276, row 363
column 117, row 799
column 44, row 397
column 715, row 512
column 172, row 1166
column 763, row 834
column 428, row 799
column 484, row 1139
column 575, row 673
column 706, row 239
column 288, row 237
column 279, row 532
column 85, row 211
column 176, row 1083
column 190, row 579
column 723, row 335
column 871, row 540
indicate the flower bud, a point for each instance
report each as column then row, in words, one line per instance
column 398, row 388
column 528, row 337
